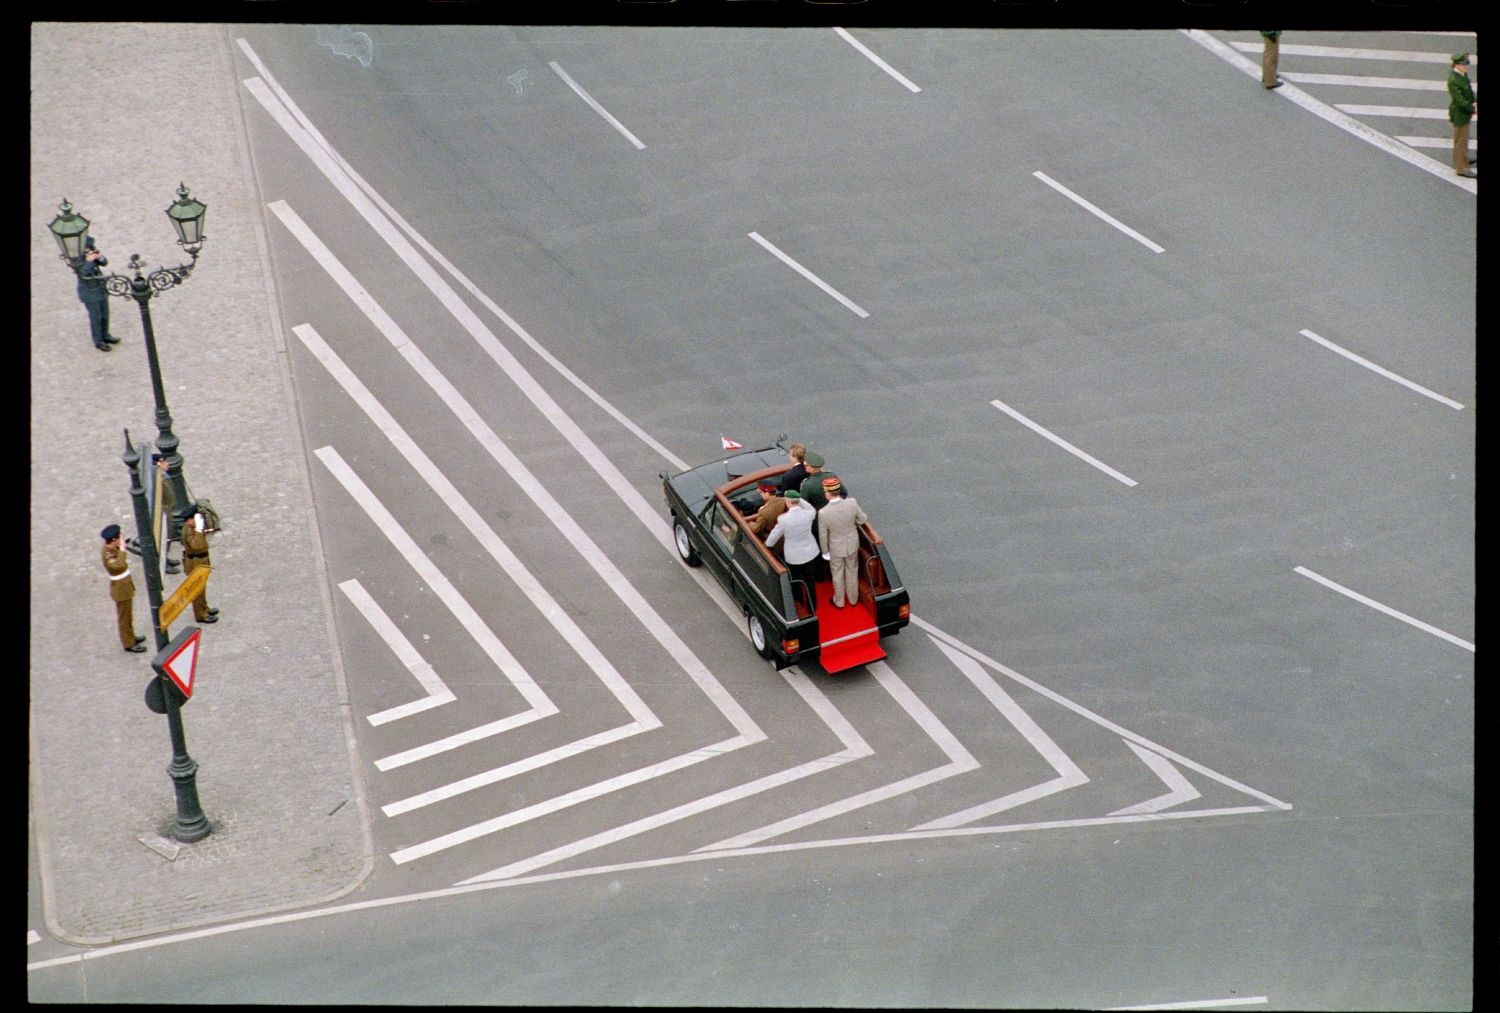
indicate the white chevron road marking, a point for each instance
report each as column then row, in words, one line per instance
column 1180, row 790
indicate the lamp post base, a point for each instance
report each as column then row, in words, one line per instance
column 190, row 824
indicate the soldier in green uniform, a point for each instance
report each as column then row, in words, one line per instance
column 1268, row 55
column 121, row 587
column 1461, row 108
column 194, row 555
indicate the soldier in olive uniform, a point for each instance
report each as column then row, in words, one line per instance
column 1462, row 107
column 121, row 587
column 194, row 555
column 94, row 296
column 1269, row 53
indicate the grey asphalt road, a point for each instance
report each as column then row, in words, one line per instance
column 1171, row 607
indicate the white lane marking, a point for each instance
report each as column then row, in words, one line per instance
column 443, row 262
column 328, row 161
column 441, row 586
column 1094, row 210
column 572, row 798
column 855, row 748
column 960, row 761
column 468, row 736
column 771, row 248
column 1102, row 722
column 518, row 572
column 502, row 454
column 32, row 937
column 1341, row 589
column 1323, row 111
column 595, row 105
column 1112, row 473
column 496, row 774
column 1358, row 81
column 155, row 942
column 1349, row 53
column 1379, row 369
column 1445, row 143
column 1179, row 789
column 876, row 60
column 1404, row 112
column 437, row 692
column 1248, row 1000
column 1069, row 774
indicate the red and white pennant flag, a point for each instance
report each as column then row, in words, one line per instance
column 730, row 444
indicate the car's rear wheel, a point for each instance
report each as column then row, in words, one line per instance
column 684, row 544
column 758, row 636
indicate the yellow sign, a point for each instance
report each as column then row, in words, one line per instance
column 186, row 592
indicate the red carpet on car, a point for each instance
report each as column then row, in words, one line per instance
column 837, row 623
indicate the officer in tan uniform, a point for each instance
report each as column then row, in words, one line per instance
column 194, row 555
column 121, row 587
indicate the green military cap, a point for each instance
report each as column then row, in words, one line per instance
column 792, row 494
column 1462, row 58
column 813, row 459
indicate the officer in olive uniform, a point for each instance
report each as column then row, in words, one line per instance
column 1461, row 109
column 194, row 555
column 94, row 296
column 121, row 587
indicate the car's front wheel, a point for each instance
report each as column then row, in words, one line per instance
column 684, row 544
column 758, row 636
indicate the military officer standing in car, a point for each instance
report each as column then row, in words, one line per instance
column 121, row 587
column 194, row 556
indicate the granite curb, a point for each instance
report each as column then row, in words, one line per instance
column 269, row 722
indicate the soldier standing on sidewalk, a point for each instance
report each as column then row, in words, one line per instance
column 121, row 587
column 94, row 296
column 1462, row 107
column 194, row 555
column 1269, row 52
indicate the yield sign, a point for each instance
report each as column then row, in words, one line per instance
column 179, row 659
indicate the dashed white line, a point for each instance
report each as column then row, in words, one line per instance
column 1112, row 473
column 771, row 248
column 596, row 106
column 1094, row 210
column 876, row 60
column 437, row 692
column 1379, row 369
column 1425, row 627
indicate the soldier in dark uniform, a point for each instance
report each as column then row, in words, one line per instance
column 94, row 296
column 194, row 555
column 1462, row 107
column 121, row 587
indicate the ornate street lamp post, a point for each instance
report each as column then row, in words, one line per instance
column 70, row 230
column 190, row 824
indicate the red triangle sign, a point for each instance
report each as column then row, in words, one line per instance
column 182, row 661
